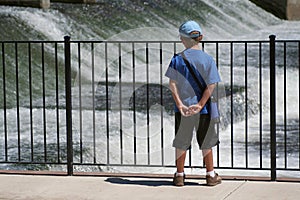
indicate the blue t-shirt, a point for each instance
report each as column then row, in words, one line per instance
column 188, row 89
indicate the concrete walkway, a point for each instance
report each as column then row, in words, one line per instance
column 34, row 187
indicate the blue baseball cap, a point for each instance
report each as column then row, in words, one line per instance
column 190, row 29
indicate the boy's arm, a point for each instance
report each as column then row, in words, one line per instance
column 184, row 110
column 194, row 109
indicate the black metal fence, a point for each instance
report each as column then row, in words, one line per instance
column 106, row 106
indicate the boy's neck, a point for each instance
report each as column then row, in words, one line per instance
column 195, row 47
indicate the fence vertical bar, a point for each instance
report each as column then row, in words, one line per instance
column 285, row 103
column 273, row 106
column 80, row 101
column 120, row 103
column 57, row 102
column 260, row 107
column 218, row 127
column 299, row 100
column 30, row 104
column 44, row 101
column 134, row 94
column 161, row 103
column 18, row 100
column 4, row 104
column 108, row 104
column 246, row 105
column 148, row 101
column 231, row 104
column 68, row 104
column 93, row 102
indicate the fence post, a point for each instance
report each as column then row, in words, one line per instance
column 68, row 86
column 273, row 106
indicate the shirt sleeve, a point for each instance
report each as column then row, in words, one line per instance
column 171, row 72
column 212, row 74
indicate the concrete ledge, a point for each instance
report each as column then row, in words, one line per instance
column 277, row 7
column 40, row 3
column 284, row 9
column 74, row 1
column 293, row 10
column 31, row 3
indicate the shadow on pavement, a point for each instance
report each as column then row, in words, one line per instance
column 153, row 183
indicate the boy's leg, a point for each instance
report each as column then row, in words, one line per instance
column 183, row 136
column 207, row 138
column 184, row 127
column 212, row 178
column 180, row 159
column 208, row 159
column 179, row 176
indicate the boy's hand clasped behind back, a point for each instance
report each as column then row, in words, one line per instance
column 191, row 110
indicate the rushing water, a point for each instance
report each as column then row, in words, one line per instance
column 149, row 20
